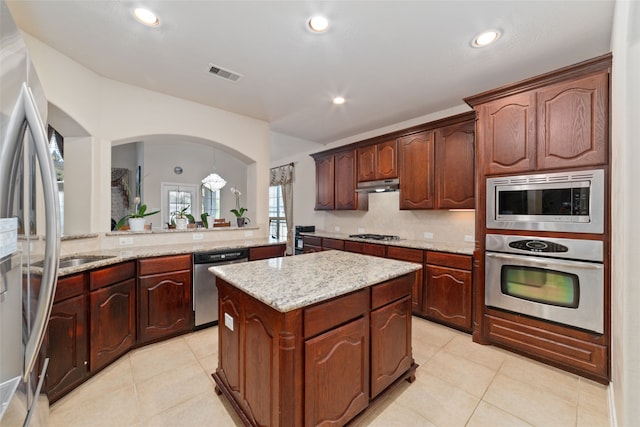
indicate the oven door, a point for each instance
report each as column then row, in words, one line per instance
column 558, row 290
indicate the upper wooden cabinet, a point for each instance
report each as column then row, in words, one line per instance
column 437, row 168
column 555, row 121
column 336, row 181
column 378, row 161
column 416, row 160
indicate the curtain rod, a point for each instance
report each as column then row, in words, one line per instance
column 288, row 164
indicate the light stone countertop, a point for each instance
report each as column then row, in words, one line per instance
column 289, row 283
column 131, row 253
column 458, row 248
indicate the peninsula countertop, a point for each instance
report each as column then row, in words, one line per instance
column 289, row 283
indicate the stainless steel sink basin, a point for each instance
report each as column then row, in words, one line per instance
column 73, row 261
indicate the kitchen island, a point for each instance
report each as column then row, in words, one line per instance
column 312, row 339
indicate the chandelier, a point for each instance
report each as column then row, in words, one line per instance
column 214, row 182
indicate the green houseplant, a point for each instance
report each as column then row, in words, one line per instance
column 182, row 218
column 239, row 211
column 138, row 216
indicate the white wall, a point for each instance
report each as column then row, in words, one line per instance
column 112, row 111
column 383, row 215
column 625, row 384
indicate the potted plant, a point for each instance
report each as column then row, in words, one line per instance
column 137, row 218
column 239, row 211
column 182, row 218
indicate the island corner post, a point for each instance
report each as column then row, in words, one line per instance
column 323, row 362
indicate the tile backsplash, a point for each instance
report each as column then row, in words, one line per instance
column 385, row 217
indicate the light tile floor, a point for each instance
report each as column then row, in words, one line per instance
column 458, row 383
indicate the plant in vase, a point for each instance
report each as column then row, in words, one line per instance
column 181, row 219
column 239, row 211
column 137, row 218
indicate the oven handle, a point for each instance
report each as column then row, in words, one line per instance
column 546, row 262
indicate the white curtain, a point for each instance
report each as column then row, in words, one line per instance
column 283, row 176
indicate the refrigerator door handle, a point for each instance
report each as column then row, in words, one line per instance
column 24, row 115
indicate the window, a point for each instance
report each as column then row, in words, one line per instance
column 210, row 202
column 56, row 148
column 277, row 222
column 176, row 197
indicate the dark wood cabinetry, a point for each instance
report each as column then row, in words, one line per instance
column 378, row 161
column 449, row 289
column 415, row 170
column 67, row 338
column 454, row 168
column 164, row 297
column 336, row 182
column 311, row 244
column 264, row 252
column 411, row 255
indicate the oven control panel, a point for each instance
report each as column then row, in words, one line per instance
column 534, row 245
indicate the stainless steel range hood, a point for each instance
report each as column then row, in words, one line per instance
column 380, row 186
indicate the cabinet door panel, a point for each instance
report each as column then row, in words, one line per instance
column 510, row 134
column 367, row 163
column 112, row 322
column 390, row 344
column 449, row 295
column 387, row 160
column 325, row 183
column 415, row 169
column 165, row 305
column 67, row 346
column 573, row 123
column 345, row 190
column 337, row 374
column 229, row 357
column 455, row 171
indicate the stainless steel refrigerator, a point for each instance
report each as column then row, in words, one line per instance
column 29, row 229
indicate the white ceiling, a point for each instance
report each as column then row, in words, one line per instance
column 391, row 60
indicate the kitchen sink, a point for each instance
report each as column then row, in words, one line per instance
column 76, row 260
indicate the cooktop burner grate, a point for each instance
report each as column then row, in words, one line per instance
column 375, row 236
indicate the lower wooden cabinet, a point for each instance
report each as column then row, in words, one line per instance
column 164, row 297
column 411, row 255
column 264, row 252
column 311, row 244
column 67, row 344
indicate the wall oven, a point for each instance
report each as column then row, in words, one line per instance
column 566, row 202
column 560, row 280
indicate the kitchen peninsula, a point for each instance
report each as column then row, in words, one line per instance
column 313, row 338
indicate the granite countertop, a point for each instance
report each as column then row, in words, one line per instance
column 110, row 257
column 459, row 248
column 289, row 283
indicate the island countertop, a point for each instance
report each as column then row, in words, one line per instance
column 289, row 283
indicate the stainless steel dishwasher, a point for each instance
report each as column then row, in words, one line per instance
column 205, row 292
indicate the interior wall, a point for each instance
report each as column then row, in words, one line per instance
column 625, row 384
column 77, row 180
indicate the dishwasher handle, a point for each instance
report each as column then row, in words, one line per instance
column 220, row 256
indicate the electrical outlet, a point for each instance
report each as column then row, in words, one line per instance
column 428, row 235
column 197, row 236
column 468, row 238
column 248, row 233
column 360, row 230
column 336, row 229
column 126, row 240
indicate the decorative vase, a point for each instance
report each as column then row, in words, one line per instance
column 137, row 224
column 241, row 221
column 181, row 223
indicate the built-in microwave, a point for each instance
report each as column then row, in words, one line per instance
column 567, row 201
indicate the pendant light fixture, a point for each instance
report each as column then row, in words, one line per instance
column 213, row 181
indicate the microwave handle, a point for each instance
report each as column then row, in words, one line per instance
column 546, row 261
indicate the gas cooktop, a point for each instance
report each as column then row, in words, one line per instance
column 375, row 236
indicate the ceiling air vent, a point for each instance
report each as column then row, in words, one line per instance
column 225, row 74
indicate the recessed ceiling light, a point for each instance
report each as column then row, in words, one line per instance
column 338, row 100
column 486, row 38
column 318, row 24
column 146, row 17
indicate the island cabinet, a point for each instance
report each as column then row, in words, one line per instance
column 112, row 307
column 67, row 338
column 316, row 364
column 164, row 297
column 264, row 252
column 336, row 181
column 449, row 290
column 555, row 121
column 378, row 161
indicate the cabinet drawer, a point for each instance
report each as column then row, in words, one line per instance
column 311, row 240
column 112, row 274
column 330, row 314
column 375, row 250
column 164, row 264
column 353, row 246
column 333, row 244
column 444, row 259
column 392, row 290
column 405, row 254
column 264, row 252
column 69, row 286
